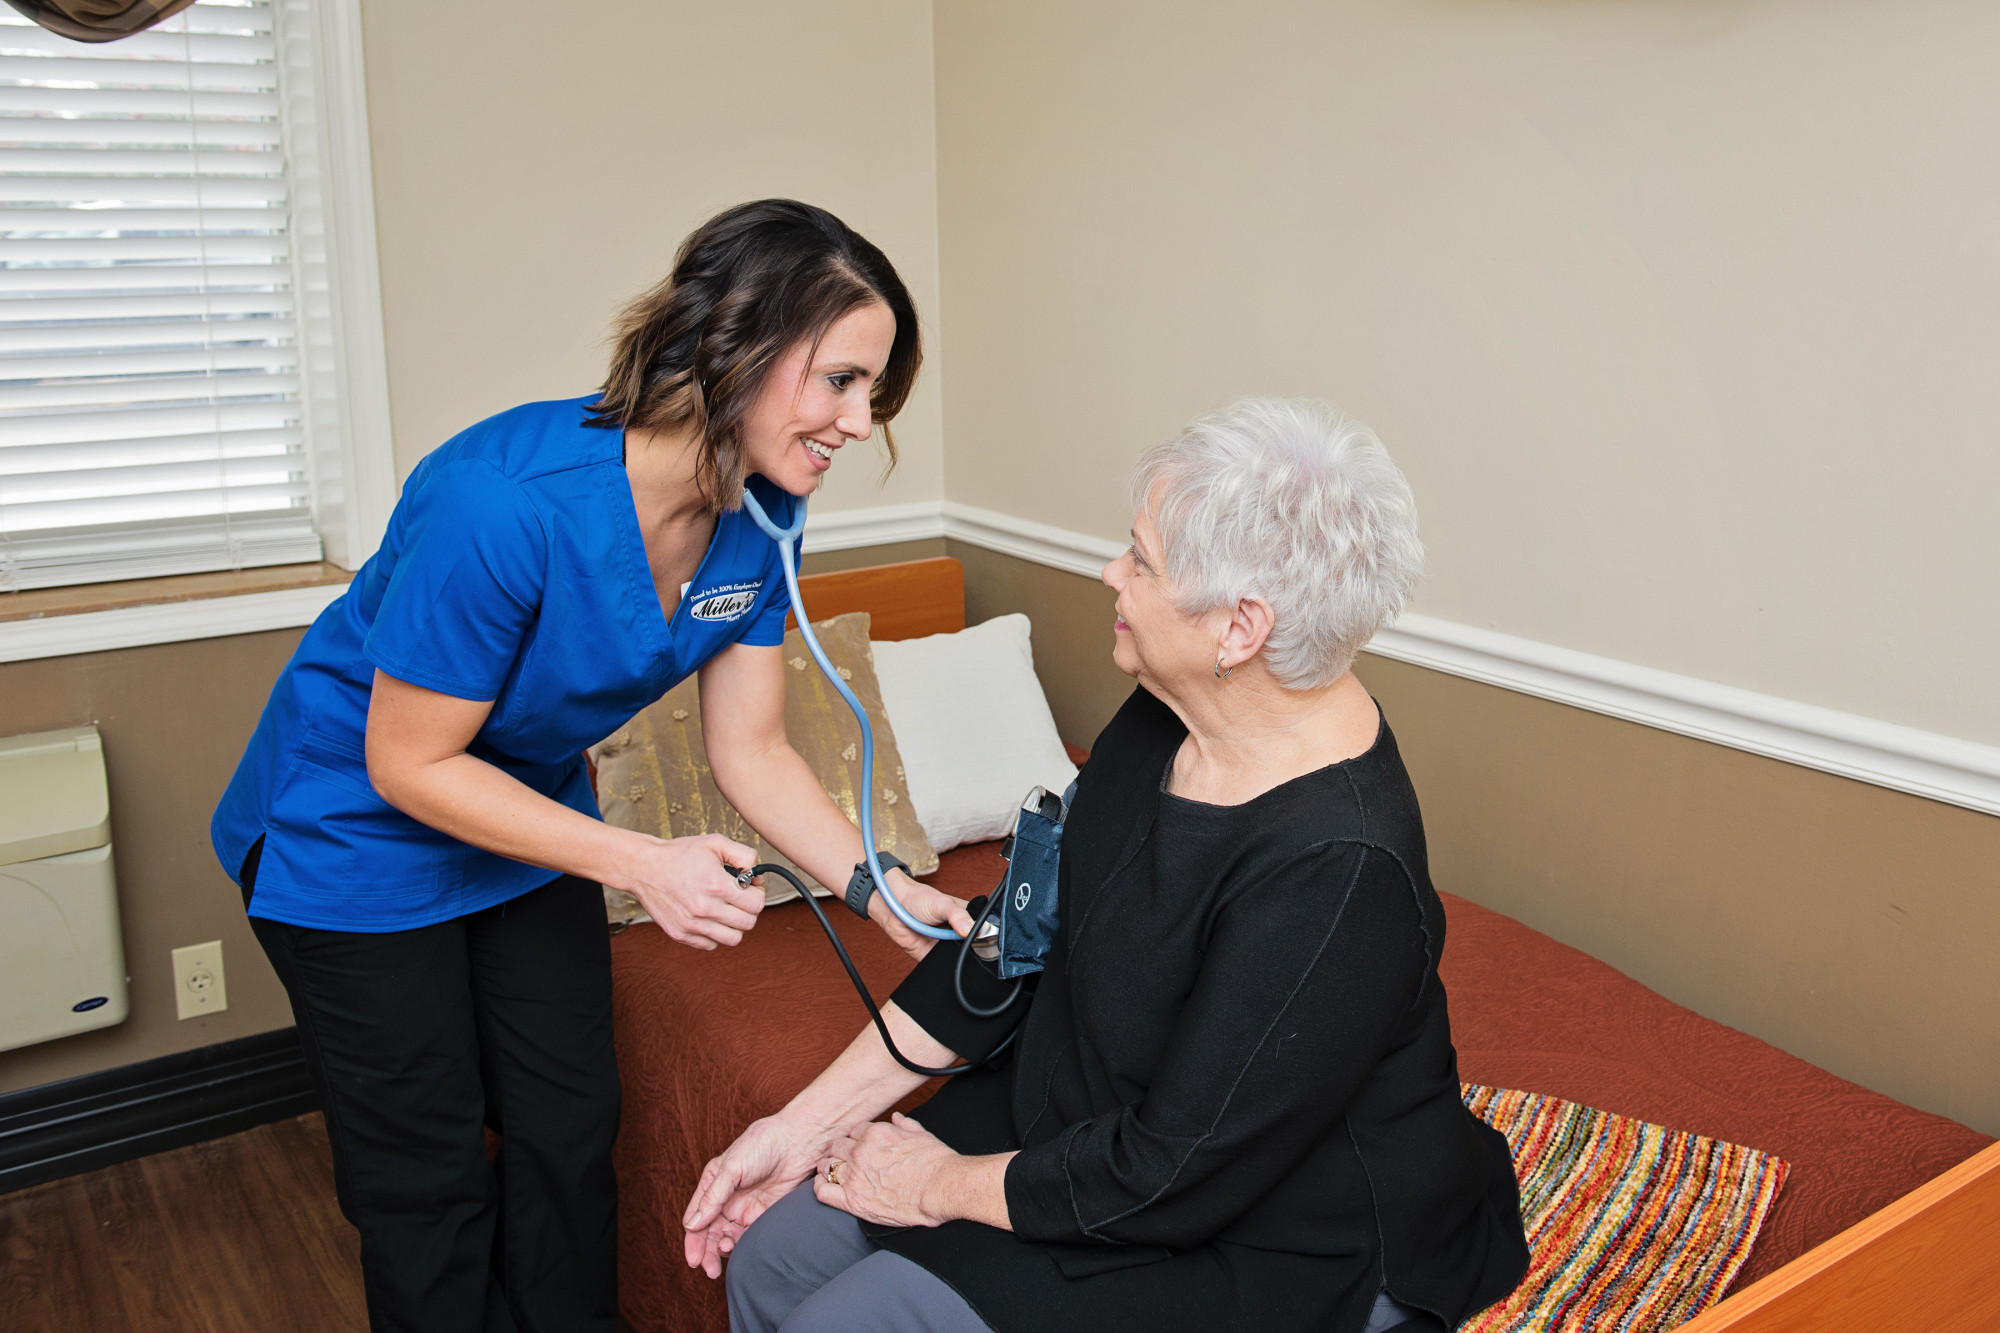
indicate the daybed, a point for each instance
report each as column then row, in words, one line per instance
column 709, row 1041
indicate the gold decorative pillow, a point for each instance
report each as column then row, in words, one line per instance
column 653, row 774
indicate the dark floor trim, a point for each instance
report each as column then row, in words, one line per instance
column 80, row 1124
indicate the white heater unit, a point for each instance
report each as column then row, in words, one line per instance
column 62, row 968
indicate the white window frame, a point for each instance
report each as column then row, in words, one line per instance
column 343, row 354
column 346, row 383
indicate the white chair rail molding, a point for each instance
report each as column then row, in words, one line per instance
column 1942, row 768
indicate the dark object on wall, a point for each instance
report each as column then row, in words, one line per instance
column 98, row 20
column 79, row 1124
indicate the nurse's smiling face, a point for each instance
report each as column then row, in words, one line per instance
column 805, row 412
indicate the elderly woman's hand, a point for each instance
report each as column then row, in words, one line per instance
column 766, row 1162
column 888, row 1173
column 898, row 1174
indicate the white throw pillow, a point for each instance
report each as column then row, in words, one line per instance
column 973, row 725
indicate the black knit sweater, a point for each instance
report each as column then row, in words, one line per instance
column 1235, row 1096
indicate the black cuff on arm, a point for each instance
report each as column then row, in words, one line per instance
column 928, row 996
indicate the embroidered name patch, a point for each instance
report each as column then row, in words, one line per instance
column 725, row 603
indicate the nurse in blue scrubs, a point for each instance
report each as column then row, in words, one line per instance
column 412, row 824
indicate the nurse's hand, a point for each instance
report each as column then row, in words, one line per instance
column 926, row 904
column 687, row 887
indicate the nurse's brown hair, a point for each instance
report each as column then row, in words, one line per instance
column 750, row 284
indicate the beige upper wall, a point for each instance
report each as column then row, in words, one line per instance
column 536, row 166
column 1681, row 314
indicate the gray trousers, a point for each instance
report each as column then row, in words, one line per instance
column 806, row 1268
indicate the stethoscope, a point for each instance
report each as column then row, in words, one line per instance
column 984, row 933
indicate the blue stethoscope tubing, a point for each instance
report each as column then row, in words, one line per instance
column 786, row 539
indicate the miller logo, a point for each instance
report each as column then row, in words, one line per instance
column 725, row 603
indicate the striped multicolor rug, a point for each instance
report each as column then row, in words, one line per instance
column 1632, row 1227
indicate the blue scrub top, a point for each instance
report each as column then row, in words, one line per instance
column 512, row 570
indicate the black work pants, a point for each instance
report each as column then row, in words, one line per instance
column 417, row 1040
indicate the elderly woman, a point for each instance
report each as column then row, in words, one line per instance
column 1232, row 1101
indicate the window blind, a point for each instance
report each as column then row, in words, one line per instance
column 150, row 401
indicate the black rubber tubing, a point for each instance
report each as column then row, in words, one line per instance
column 861, row 988
column 958, row 971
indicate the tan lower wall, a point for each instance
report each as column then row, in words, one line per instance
column 860, row 557
column 1853, row 926
column 1072, row 633
column 175, row 719
column 1071, row 615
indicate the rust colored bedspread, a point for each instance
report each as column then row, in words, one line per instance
column 1527, row 1012
column 709, row 1041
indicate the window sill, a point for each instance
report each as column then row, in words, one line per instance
column 59, row 622
column 87, row 597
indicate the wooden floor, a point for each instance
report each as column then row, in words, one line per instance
column 238, row 1235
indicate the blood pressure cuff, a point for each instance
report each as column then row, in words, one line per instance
column 1034, row 856
column 928, row 996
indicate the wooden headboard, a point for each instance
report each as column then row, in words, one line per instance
column 903, row 601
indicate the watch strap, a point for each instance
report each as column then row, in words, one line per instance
column 861, row 884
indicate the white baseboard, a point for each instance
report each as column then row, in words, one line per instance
column 1923, row 763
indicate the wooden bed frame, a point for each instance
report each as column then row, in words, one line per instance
column 1929, row 1261
column 906, row 601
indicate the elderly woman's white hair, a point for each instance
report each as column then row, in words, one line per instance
column 1295, row 502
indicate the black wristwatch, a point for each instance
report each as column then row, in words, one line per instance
column 861, row 884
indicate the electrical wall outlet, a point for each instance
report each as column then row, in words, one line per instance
column 198, row 984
